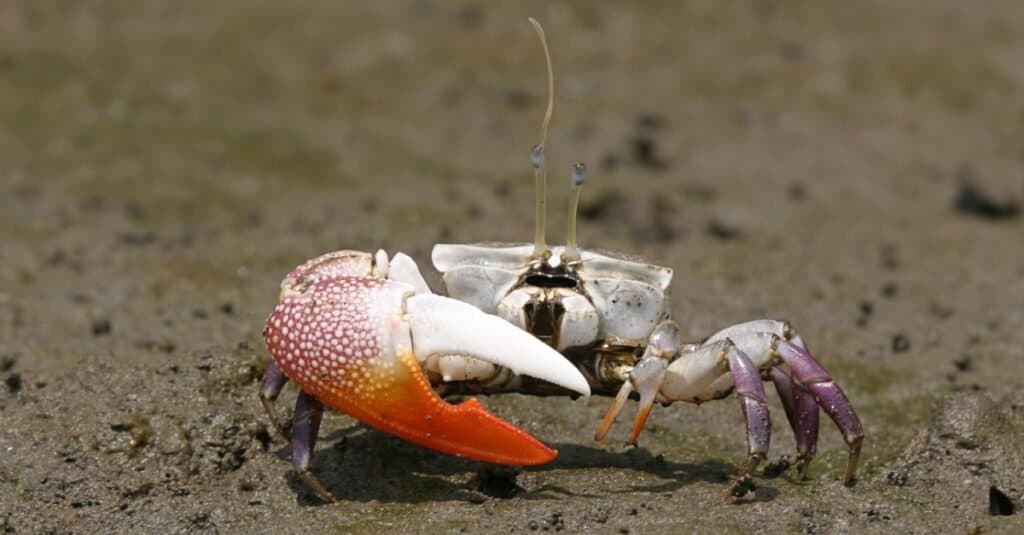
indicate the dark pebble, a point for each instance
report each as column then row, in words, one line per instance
column 470, row 17
column 13, row 383
column 866, row 308
column 650, row 121
column 137, row 238
column 498, row 483
column 610, row 162
column 964, row 364
column 502, row 189
column 900, row 343
column 939, row 311
column 517, row 98
column 605, row 204
column 890, row 257
column 701, row 192
column 722, row 231
column 101, row 327
column 999, row 503
column 645, row 152
column 796, row 191
column 973, row 202
column 897, row 478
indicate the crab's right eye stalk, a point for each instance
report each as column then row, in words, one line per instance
column 579, row 175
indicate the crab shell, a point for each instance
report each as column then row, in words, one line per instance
column 616, row 300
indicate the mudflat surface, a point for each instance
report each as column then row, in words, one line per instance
column 852, row 167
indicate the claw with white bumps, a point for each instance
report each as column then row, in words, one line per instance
column 354, row 340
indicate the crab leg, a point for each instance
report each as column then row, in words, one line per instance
column 768, row 341
column 273, row 381
column 693, row 376
column 750, row 390
column 802, row 413
column 809, row 373
column 356, row 343
column 646, row 378
column 305, row 428
column 688, row 378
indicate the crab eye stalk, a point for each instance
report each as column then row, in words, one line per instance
column 579, row 174
column 540, row 246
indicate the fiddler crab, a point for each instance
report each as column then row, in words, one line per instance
column 363, row 334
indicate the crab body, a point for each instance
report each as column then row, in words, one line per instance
column 600, row 298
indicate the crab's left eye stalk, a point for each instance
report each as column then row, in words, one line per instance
column 579, row 175
column 540, row 246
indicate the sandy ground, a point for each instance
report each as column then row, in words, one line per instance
column 853, row 167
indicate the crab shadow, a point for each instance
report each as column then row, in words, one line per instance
column 360, row 464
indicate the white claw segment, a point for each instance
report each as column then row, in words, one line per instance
column 380, row 267
column 444, row 326
column 404, row 269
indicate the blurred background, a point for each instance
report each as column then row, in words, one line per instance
column 855, row 168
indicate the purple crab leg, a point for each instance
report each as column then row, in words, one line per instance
column 273, row 381
column 802, row 413
column 750, row 390
column 812, row 376
column 305, row 427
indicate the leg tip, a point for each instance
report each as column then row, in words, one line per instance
column 268, row 408
column 754, row 459
column 313, row 484
column 803, row 464
column 850, row 476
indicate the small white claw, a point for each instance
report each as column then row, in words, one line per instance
column 380, row 261
column 404, row 269
column 444, row 326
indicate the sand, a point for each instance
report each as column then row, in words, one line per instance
column 851, row 167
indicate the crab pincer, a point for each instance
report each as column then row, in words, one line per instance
column 355, row 343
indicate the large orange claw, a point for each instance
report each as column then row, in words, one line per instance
column 355, row 343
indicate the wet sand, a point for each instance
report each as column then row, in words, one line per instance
column 853, row 168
